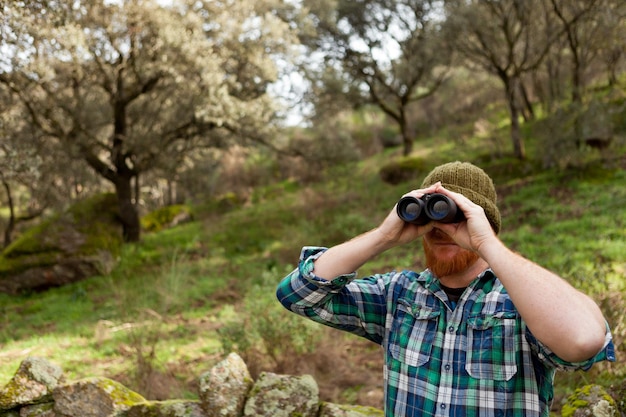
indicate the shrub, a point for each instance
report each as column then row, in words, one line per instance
column 402, row 170
column 265, row 329
column 165, row 217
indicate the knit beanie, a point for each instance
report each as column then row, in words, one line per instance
column 471, row 181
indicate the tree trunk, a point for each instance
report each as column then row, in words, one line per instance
column 8, row 232
column 407, row 139
column 129, row 216
column 528, row 111
column 576, row 79
column 516, row 134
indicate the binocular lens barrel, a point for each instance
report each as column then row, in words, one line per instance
column 429, row 207
column 439, row 209
column 411, row 210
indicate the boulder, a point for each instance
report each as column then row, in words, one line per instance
column 94, row 397
column 590, row 401
column 33, row 382
column 38, row 410
column 79, row 243
column 283, row 396
column 224, row 388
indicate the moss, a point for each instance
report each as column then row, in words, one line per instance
column 86, row 229
column 403, row 169
column 45, row 409
column 589, row 395
column 118, row 392
column 162, row 217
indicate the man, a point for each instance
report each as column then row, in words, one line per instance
column 479, row 333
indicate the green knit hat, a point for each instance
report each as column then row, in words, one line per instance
column 471, row 181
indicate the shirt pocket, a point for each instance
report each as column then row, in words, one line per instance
column 412, row 333
column 491, row 349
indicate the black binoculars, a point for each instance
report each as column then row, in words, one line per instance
column 437, row 207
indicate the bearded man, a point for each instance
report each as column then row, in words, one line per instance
column 480, row 332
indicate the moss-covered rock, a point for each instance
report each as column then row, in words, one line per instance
column 224, row 388
column 590, row 401
column 283, row 396
column 94, row 397
column 33, row 382
column 38, row 410
column 81, row 242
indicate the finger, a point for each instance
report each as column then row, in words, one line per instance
column 461, row 201
column 422, row 191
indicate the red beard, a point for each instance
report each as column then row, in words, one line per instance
column 442, row 267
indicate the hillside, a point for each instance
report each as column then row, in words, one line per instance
column 184, row 297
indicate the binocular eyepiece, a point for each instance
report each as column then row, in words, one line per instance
column 437, row 207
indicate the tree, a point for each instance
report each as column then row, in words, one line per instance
column 390, row 52
column 36, row 176
column 130, row 86
column 506, row 38
column 581, row 25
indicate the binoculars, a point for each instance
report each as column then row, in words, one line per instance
column 437, row 207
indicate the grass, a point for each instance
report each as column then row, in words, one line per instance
column 164, row 311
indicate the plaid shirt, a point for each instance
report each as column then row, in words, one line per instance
column 478, row 359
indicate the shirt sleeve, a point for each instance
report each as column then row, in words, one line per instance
column 344, row 302
column 607, row 353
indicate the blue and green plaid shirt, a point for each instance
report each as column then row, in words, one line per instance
column 475, row 359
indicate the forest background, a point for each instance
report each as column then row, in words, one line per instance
column 279, row 124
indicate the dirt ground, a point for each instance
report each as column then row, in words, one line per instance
column 348, row 369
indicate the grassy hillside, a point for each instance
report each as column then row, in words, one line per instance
column 184, row 297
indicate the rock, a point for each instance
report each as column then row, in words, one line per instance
column 283, row 395
column 38, row 410
column 590, row 401
column 94, row 397
column 224, row 388
column 79, row 243
column 335, row 410
column 33, row 382
column 172, row 408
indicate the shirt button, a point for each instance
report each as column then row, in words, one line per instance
column 447, row 367
column 451, row 329
column 443, row 406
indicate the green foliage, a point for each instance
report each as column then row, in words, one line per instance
column 264, row 328
column 177, row 286
column 164, row 217
column 404, row 169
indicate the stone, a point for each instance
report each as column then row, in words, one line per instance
column 171, row 408
column 33, row 382
column 223, row 389
column 276, row 395
column 38, row 410
column 336, row 410
column 94, row 397
column 81, row 242
column 590, row 401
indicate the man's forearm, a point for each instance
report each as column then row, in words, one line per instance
column 351, row 255
column 564, row 319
